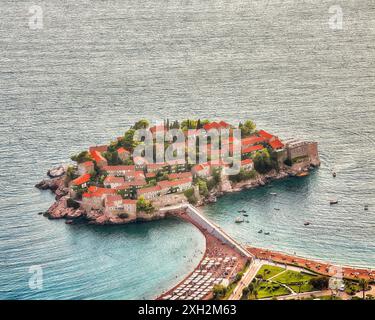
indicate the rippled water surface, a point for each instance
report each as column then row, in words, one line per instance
column 96, row 67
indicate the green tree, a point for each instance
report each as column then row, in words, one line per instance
column 144, row 205
column 128, row 140
column 190, row 196
column 247, row 128
column 81, row 157
column 70, row 173
column 141, row 124
column 251, row 289
column 245, row 292
column 203, row 190
column 175, row 125
column 219, row 291
column 189, row 124
column 255, row 294
column 262, row 161
column 112, row 158
column 363, row 284
column 216, row 175
column 242, row 175
column 319, row 283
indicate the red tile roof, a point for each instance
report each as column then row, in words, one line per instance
column 98, row 148
column 82, row 179
column 110, row 200
column 140, row 160
column 200, row 167
column 156, row 165
column 158, row 128
column 276, row 144
column 94, row 191
column 265, row 134
column 136, row 174
column 223, row 124
column 246, row 162
column 252, row 148
column 135, row 183
column 150, row 175
column 97, row 156
column 122, row 150
column 111, row 179
column 129, row 201
column 176, row 162
column 149, row 189
column 216, row 125
column 87, row 163
column 168, row 184
column 119, row 168
column 180, row 175
column 252, row 140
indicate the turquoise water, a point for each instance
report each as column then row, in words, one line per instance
column 96, row 67
column 336, row 234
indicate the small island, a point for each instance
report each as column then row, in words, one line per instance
column 108, row 184
column 117, row 184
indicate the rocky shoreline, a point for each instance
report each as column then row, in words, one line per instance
column 228, row 187
column 61, row 209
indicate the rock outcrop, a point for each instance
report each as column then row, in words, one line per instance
column 56, row 172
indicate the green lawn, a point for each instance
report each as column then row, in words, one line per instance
column 268, row 271
column 274, row 287
column 352, row 287
column 306, row 287
column 271, row 289
column 292, row 278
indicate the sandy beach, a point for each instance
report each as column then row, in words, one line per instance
column 228, row 262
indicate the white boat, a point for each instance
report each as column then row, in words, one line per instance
column 239, row 220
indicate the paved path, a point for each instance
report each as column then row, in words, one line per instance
column 297, row 296
column 210, row 227
column 246, row 280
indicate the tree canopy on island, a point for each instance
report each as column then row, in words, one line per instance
column 141, row 124
column 247, row 128
column 144, row 205
column 81, row 157
column 262, row 161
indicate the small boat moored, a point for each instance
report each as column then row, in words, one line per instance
column 260, row 231
column 302, row 174
column 266, row 233
column 334, row 201
column 239, row 220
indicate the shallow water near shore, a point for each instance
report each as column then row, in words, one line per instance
column 92, row 71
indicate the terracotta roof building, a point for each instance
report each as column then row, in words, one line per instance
column 113, row 182
column 82, row 180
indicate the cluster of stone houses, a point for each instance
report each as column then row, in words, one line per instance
column 124, row 184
